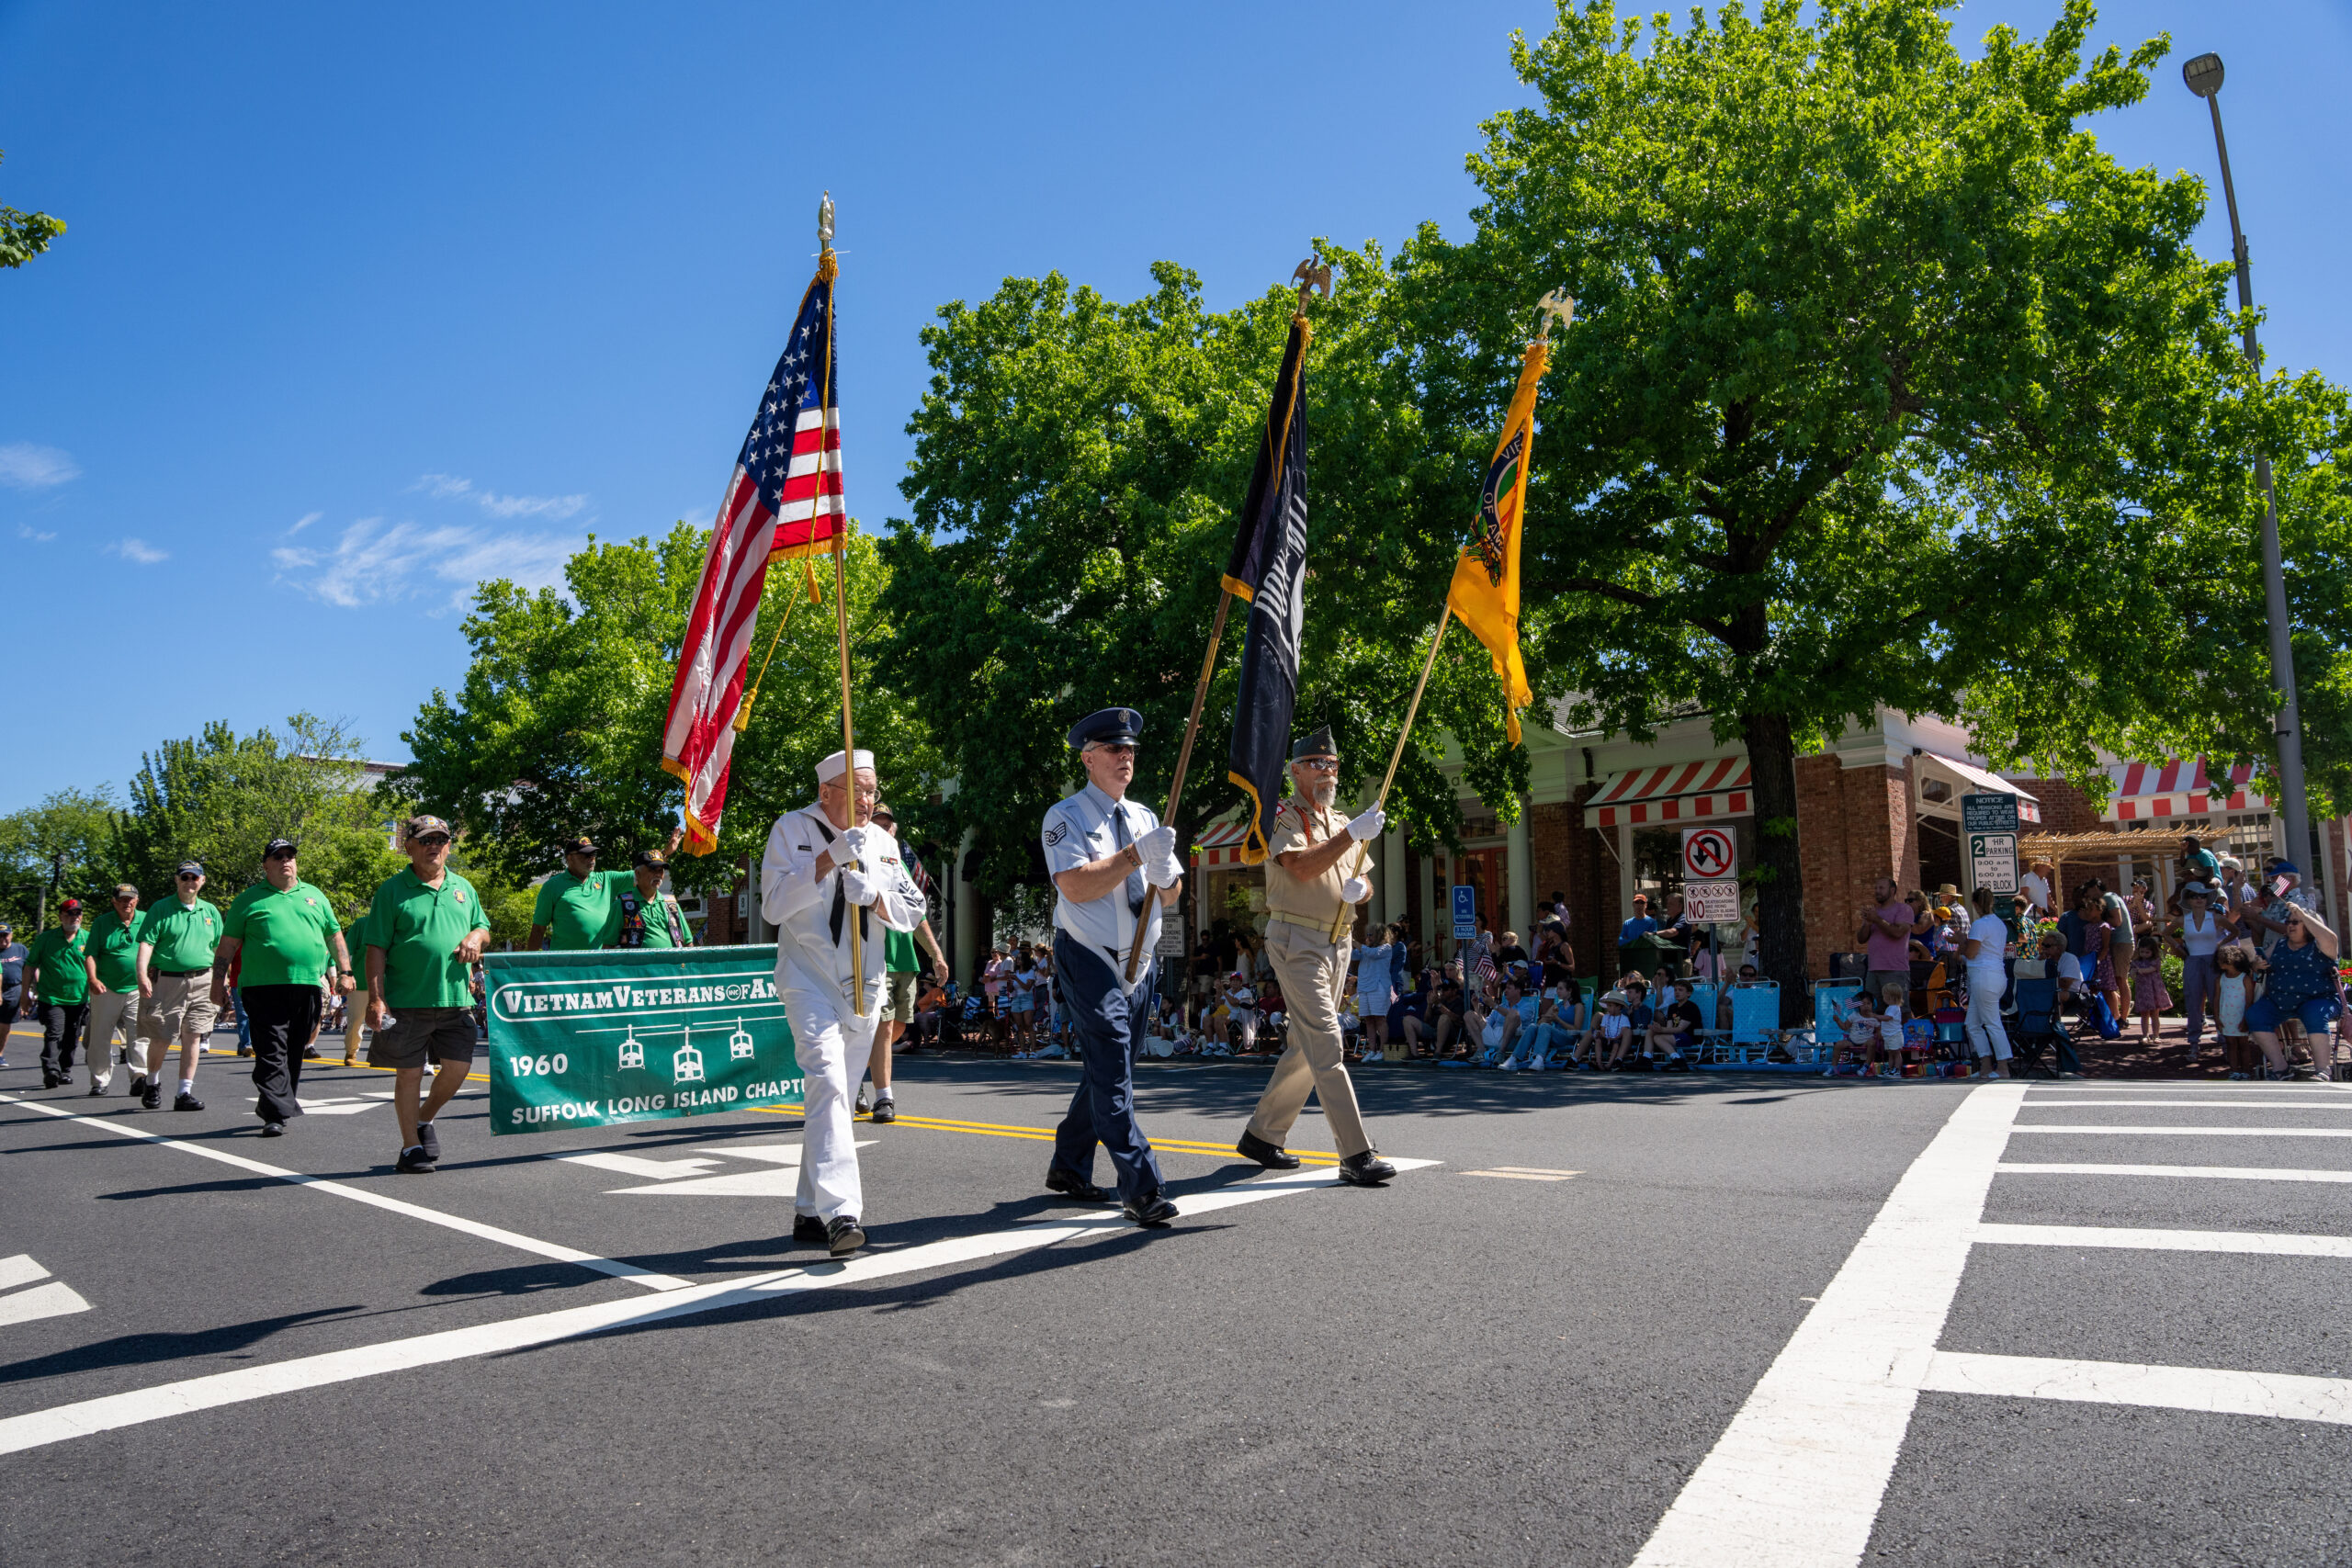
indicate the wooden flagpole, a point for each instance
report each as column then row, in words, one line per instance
column 1309, row 278
column 828, row 269
column 1415, row 705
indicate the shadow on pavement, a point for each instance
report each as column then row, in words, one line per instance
column 141, row 1350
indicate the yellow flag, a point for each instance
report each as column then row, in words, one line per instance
column 1486, row 579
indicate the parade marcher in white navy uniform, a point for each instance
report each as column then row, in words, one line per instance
column 827, row 871
column 1112, row 865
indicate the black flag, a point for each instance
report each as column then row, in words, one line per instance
column 1269, row 569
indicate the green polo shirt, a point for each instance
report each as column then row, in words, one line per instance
column 419, row 929
column 579, row 912
column 185, row 938
column 114, row 948
column 289, row 936
column 62, row 978
column 354, row 938
column 898, row 952
column 658, row 910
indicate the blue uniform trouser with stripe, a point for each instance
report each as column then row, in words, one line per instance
column 1103, row 1110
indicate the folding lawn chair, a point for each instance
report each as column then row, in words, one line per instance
column 2038, row 1026
column 1711, row 1038
column 1755, row 1017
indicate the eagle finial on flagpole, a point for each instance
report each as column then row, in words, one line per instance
column 1311, row 277
column 1556, row 306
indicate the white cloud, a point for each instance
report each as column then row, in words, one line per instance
column 304, row 522
column 454, row 487
column 139, row 551
column 371, row 563
column 26, row 467
column 27, row 531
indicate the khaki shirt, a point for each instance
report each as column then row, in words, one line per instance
column 1314, row 901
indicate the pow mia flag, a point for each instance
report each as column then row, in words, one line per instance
column 1269, row 569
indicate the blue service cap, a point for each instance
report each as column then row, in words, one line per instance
column 2286, row 868
column 1109, row 724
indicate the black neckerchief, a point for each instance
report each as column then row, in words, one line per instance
column 841, row 894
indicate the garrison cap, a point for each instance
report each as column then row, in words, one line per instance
column 1314, row 743
column 1110, row 726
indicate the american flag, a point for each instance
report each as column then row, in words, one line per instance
column 785, row 499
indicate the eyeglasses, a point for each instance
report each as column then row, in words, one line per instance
column 1116, row 748
column 865, row 793
column 431, row 840
column 1318, row 765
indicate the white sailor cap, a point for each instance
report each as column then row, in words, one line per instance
column 830, row 768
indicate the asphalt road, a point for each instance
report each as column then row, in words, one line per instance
column 1731, row 1318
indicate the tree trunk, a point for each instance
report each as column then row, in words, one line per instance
column 1772, row 775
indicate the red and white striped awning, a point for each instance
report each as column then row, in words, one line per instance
column 1219, row 845
column 2152, row 791
column 1679, row 792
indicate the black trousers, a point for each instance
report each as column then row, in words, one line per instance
column 1104, row 1109
column 60, row 1036
column 8, row 1020
column 283, row 1019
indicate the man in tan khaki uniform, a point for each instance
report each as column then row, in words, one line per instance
column 1317, row 869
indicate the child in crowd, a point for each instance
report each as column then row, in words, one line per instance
column 1611, row 1028
column 1890, row 1025
column 2234, row 990
column 1859, row 1019
column 2149, row 996
column 1674, row 1030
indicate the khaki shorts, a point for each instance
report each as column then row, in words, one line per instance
column 182, row 1004
column 902, row 999
column 422, row 1035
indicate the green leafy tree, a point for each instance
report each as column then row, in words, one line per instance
column 1079, row 463
column 557, row 731
column 219, row 797
column 24, row 235
column 66, row 841
column 1890, row 389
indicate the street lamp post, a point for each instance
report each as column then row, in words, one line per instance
column 2203, row 75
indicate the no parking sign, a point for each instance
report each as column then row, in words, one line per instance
column 1709, row 854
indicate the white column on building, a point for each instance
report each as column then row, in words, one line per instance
column 968, row 934
column 1624, row 871
column 1519, row 878
column 1396, row 887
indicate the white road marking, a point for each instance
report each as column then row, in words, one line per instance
column 2212, row 1390
column 2213, row 1172
column 2195, row 1132
column 1526, row 1174
column 2219, row 1090
column 111, row 1411
column 2276, row 1244
column 687, row 1177
column 639, row 1166
column 1798, row 1476
column 53, row 1300
column 2304, row 1103
column 19, row 1270
column 345, row 1105
column 617, row 1268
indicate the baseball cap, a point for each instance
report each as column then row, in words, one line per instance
column 277, row 847
column 2196, row 890
column 2285, row 868
column 71, row 907
column 421, row 826
column 653, row 859
column 582, row 845
column 191, row 868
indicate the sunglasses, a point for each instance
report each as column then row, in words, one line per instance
column 431, row 839
column 1320, row 765
column 191, row 877
column 1116, row 748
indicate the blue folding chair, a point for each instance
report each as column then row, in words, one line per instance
column 1755, row 1017
column 2038, row 1027
column 1710, row 1038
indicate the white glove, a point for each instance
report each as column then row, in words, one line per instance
column 1367, row 826
column 859, row 888
column 1158, row 844
column 854, row 842
column 1354, row 890
column 1164, row 872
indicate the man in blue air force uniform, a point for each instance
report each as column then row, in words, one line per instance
column 1113, row 865
column 827, row 869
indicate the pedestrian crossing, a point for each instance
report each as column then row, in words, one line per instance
column 1799, row 1478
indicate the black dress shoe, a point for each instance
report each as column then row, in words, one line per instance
column 808, row 1230
column 1366, row 1170
column 151, row 1096
column 843, row 1237
column 1152, row 1212
column 273, row 1129
column 886, row 1110
column 186, row 1102
column 1273, row 1156
column 1071, row 1187
column 864, row 1103
column 98, row 1090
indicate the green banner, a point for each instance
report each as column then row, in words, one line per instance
column 583, row 1039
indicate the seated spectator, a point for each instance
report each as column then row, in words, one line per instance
column 1674, row 1030
column 1529, row 1043
column 1609, row 1027
column 2299, row 996
column 1240, row 1011
column 1490, row 1026
column 1511, row 953
column 1860, row 1019
column 930, row 1006
column 1442, row 1016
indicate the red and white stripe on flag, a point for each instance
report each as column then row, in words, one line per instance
column 698, row 742
column 813, row 509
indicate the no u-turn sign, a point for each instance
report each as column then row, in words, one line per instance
column 1709, row 854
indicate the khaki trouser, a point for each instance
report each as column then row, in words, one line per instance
column 1313, row 975
column 111, row 1011
column 354, row 1019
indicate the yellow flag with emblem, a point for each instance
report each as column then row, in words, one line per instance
column 1485, row 594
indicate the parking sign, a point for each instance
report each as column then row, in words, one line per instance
column 1466, row 914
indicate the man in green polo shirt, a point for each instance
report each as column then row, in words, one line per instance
column 281, row 934
column 177, row 942
column 425, row 927
column 59, row 984
column 113, row 961
column 644, row 915
column 574, row 910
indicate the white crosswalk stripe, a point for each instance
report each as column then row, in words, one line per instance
column 1798, row 1478
column 54, row 1299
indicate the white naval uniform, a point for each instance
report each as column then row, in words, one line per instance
column 831, row 1029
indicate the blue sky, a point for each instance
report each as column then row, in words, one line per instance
column 357, row 307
